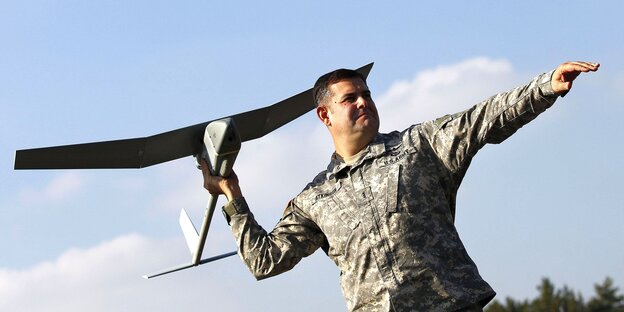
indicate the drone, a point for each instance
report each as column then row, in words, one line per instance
column 217, row 142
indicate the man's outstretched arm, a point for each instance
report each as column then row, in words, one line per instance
column 457, row 138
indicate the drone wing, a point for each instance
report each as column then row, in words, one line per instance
column 163, row 147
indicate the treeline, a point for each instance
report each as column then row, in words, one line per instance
column 606, row 299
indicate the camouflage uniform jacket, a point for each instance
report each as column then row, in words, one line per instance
column 387, row 220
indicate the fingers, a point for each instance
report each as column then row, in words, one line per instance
column 211, row 183
column 217, row 185
column 565, row 74
column 579, row 66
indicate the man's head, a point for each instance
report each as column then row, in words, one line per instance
column 321, row 87
column 345, row 106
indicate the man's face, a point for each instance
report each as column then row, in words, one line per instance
column 351, row 110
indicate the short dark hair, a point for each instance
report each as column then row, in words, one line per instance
column 321, row 87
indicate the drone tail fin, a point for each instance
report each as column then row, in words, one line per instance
column 189, row 230
column 192, row 240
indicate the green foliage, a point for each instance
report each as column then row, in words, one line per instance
column 551, row 299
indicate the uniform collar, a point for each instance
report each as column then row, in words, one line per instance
column 373, row 149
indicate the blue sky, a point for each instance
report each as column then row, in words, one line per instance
column 542, row 204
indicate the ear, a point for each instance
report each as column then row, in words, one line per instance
column 323, row 114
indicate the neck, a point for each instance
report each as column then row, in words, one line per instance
column 348, row 147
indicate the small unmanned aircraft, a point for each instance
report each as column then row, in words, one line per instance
column 217, row 142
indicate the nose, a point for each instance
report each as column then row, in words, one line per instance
column 361, row 102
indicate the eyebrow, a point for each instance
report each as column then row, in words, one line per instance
column 350, row 94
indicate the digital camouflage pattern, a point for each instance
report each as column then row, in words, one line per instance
column 387, row 220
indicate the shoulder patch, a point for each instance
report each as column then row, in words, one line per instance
column 443, row 120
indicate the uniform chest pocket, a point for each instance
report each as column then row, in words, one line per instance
column 344, row 216
column 339, row 227
column 333, row 212
column 392, row 166
column 414, row 190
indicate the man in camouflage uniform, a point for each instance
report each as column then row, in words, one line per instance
column 384, row 209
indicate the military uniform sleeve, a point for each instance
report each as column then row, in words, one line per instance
column 268, row 254
column 457, row 138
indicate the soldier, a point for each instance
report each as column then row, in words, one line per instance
column 384, row 209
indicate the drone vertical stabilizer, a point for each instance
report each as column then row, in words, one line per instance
column 190, row 232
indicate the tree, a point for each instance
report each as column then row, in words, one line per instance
column 548, row 301
column 551, row 299
column 607, row 298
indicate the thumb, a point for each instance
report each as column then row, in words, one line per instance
column 567, row 85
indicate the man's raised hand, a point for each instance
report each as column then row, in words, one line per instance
column 565, row 74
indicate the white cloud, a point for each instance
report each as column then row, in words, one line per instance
column 64, row 185
column 104, row 278
column 446, row 89
column 107, row 277
column 184, row 187
column 60, row 187
column 277, row 167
